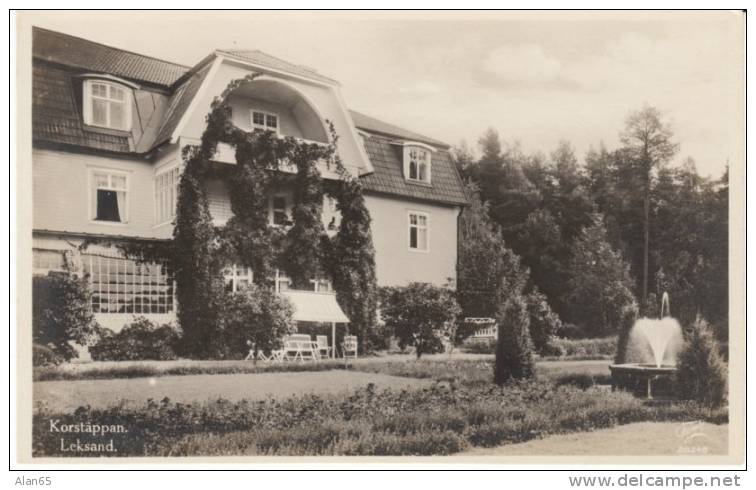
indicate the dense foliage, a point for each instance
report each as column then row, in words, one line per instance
column 140, row 340
column 440, row 419
column 514, row 349
column 702, row 374
column 659, row 217
column 421, row 315
column 266, row 162
column 62, row 313
column 256, row 318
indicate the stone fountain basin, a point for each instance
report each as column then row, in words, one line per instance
column 647, row 380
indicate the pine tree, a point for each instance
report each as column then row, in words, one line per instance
column 514, row 349
column 702, row 374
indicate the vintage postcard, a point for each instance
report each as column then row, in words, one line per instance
column 492, row 237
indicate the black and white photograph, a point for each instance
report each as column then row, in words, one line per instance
column 446, row 236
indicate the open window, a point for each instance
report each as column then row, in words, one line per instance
column 109, row 196
column 280, row 210
column 107, row 104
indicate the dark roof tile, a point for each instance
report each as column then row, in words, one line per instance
column 388, row 177
column 63, row 49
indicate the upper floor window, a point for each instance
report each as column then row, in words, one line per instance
column 238, row 278
column 418, row 231
column 166, row 194
column 417, row 163
column 109, row 196
column 279, row 210
column 266, row 121
column 107, row 105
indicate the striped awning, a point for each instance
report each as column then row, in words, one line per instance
column 310, row 306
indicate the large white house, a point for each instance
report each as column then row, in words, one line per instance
column 108, row 129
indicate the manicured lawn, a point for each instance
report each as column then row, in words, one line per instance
column 640, row 439
column 99, row 393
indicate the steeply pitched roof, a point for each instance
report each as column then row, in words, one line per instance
column 388, row 178
column 63, row 49
column 56, row 114
column 374, row 125
column 179, row 103
column 268, row 61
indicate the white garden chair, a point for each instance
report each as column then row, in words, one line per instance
column 349, row 346
column 322, row 346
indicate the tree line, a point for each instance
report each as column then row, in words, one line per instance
column 593, row 237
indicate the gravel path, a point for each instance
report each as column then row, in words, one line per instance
column 641, row 439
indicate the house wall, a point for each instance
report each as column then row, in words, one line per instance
column 61, row 194
column 396, row 264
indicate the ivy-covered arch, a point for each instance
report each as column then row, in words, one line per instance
column 201, row 250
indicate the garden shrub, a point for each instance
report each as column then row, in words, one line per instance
column 628, row 318
column 421, row 315
column 420, row 421
column 62, row 313
column 258, row 316
column 139, row 340
column 44, row 356
column 601, row 348
column 544, row 322
column 701, row 372
column 514, row 349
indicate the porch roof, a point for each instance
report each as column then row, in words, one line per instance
column 310, row 306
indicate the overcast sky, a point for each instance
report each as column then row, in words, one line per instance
column 450, row 76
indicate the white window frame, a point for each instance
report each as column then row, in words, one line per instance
column 91, row 187
column 162, row 172
column 88, row 96
column 272, row 211
column 265, row 126
column 410, row 213
column 410, row 146
column 235, row 273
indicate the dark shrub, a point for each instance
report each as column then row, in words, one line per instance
column 602, row 348
column 256, row 315
column 44, row 356
column 421, row 315
column 702, row 374
column 514, row 349
column 61, row 313
column 544, row 322
column 480, row 346
column 627, row 320
column 570, row 331
column 140, row 340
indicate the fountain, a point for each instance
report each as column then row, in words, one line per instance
column 651, row 353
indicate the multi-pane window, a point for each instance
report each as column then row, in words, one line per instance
column 321, row 285
column 107, row 105
column 166, row 193
column 124, row 286
column 418, row 164
column 418, row 231
column 266, row 121
column 237, row 278
column 109, row 196
column 279, row 210
column 44, row 261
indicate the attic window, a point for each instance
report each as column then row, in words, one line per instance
column 417, row 163
column 107, row 105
